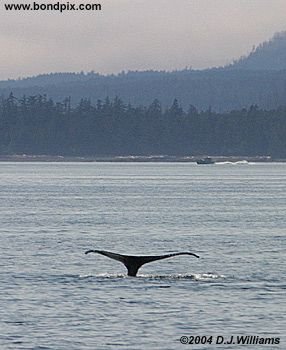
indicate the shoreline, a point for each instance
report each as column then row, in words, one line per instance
column 132, row 158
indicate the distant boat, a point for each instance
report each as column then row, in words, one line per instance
column 206, row 160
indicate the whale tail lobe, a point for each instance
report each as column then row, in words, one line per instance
column 133, row 262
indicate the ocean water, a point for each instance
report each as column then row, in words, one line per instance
column 53, row 296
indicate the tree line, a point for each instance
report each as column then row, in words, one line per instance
column 38, row 125
column 224, row 89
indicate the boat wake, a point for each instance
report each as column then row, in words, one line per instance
column 240, row 162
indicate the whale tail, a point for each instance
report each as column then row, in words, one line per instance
column 133, row 262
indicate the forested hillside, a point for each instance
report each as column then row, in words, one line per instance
column 259, row 78
column 38, row 125
column 270, row 55
column 222, row 90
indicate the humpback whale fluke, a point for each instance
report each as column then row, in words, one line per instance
column 133, row 262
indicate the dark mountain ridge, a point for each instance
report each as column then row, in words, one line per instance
column 270, row 55
column 259, row 78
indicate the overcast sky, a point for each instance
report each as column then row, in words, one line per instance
column 134, row 35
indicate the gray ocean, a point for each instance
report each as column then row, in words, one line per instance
column 54, row 297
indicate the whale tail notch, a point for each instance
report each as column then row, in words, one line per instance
column 133, row 262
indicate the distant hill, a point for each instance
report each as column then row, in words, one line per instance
column 270, row 55
column 259, row 78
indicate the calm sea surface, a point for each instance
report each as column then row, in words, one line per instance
column 53, row 296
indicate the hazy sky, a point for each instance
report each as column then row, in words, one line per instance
column 134, row 35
